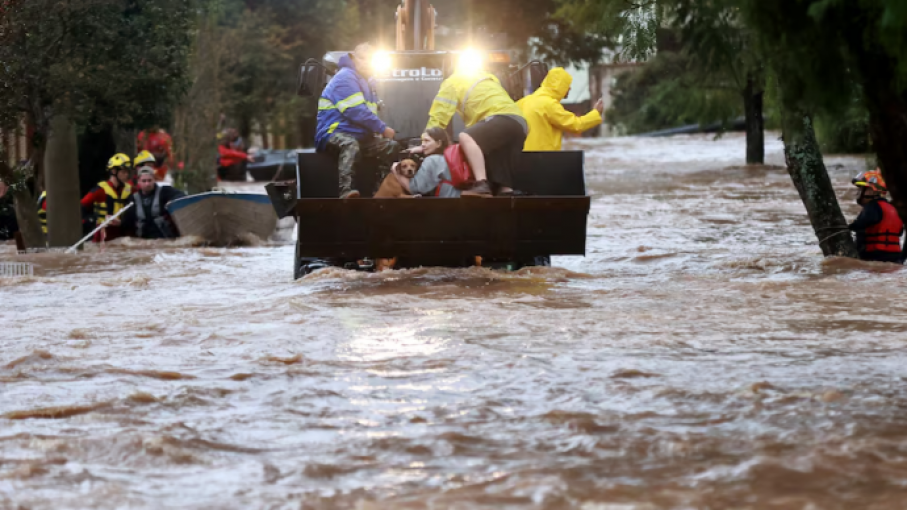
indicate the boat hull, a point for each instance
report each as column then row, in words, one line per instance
column 224, row 219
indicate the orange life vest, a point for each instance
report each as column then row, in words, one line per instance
column 885, row 236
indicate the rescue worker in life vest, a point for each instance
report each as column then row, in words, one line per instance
column 108, row 197
column 548, row 119
column 143, row 158
column 149, row 217
column 878, row 227
column 495, row 127
column 42, row 211
column 348, row 123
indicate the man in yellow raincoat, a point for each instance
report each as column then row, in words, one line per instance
column 548, row 119
column 495, row 128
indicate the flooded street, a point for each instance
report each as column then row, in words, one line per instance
column 702, row 356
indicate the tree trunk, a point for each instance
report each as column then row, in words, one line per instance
column 197, row 117
column 39, row 142
column 263, row 126
column 24, row 205
column 64, row 216
column 807, row 169
column 245, row 129
column 887, row 117
column 27, row 217
column 888, row 122
column 755, row 122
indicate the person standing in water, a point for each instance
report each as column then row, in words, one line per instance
column 110, row 196
column 878, row 228
column 149, row 218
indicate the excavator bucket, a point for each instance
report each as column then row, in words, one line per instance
column 550, row 220
column 438, row 231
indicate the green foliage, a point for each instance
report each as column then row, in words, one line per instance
column 559, row 42
column 821, row 44
column 267, row 40
column 528, row 26
column 665, row 93
column 259, row 67
column 17, row 176
column 633, row 24
column 195, row 122
column 846, row 132
column 101, row 62
column 704, row 82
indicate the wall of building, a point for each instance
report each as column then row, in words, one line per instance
column 15, row 144
column 602, row 79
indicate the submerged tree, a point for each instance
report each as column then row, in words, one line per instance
column 827, row 49
column 717, row 56
column 722, row 32
column 87, row 63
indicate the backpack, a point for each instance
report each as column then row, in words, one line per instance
column 460, row 173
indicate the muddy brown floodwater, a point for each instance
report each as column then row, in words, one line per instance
column 702, row 356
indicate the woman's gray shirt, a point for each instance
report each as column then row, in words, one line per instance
column 434, row 169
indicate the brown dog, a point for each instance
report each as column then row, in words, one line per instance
column 391, row 188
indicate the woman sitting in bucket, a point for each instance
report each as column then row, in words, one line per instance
column 444, row 172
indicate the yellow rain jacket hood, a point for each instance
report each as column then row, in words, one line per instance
column 548, row 119
column 474, row 96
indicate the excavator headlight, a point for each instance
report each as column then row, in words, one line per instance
column 381, row 62
column 470, row 62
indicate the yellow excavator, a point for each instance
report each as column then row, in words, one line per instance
column 512, row 232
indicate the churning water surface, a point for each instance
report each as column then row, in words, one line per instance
column 703, row 355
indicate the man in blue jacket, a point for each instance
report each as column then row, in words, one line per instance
column 348, row 122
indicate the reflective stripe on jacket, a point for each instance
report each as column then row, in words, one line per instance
column 114, row 202
column 349, row 105
column 474, row 96
column 548, row 119
column 42, row 211
column 885, row 236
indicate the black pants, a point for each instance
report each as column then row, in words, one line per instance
column 501, row 139
column 233, row 173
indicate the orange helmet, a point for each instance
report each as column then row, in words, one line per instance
column 871, row 180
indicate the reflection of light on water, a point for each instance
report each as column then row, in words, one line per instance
column 382, row 342
column 379, row 343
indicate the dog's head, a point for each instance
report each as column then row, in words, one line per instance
column 408, row 168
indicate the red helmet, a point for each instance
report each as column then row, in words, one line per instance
column 871, row 180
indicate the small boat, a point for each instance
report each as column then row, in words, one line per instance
column 223, row 218
column 273, row 165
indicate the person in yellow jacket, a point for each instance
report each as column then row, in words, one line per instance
column 495, row 128
column 548, row 119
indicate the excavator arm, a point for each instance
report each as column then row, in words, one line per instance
column 416, row 26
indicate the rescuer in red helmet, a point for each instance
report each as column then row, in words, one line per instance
column 878, row 227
